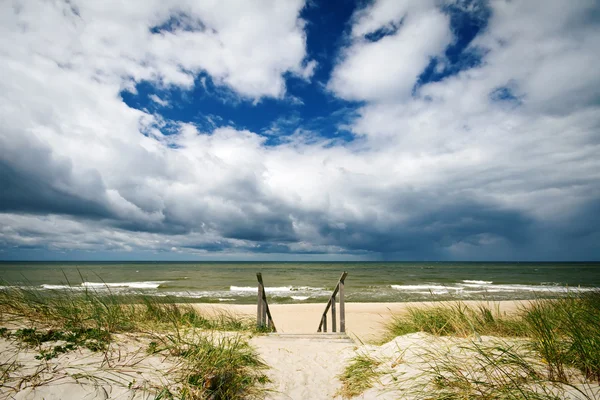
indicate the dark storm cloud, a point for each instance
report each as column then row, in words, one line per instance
column 34, row 181
column 22, row 192
column 427, row 234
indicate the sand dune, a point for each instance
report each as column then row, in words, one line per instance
column 301, row 367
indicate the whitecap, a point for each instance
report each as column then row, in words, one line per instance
column 130, row 285
column 475, row 282
column 412, row 288
column 58, row 287
column 276, row 289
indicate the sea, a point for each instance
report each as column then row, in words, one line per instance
column 312, row 282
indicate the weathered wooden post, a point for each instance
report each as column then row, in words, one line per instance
column 333, row 319
column 342, row 305
column 331, row 303
column 260, row 304
column 264, row 319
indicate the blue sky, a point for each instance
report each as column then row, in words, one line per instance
column 319, row 130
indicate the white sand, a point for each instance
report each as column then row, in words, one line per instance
column 303, row 368
column 124, row 372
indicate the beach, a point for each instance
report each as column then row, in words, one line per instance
column 301, row 366
column 145, row 361
column 128, row 333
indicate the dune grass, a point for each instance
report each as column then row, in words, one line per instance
column 498, row 371
column 106, row 311
column 563, row 335
column 216, row 367
column 212, row 361
column 566, row 333
column 457, row 319
column 359, row 375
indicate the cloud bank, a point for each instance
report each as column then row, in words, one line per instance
column 494, row 158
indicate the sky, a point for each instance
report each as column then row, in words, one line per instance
column 300, row 130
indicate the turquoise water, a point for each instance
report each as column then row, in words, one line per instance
column 311, row 282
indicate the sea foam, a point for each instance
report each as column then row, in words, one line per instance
column 276, row 289
column 130, row 285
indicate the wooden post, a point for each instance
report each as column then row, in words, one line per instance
column 264, row 308
column 324, row 322
column 342, row 308
column 271, row 325
column 333, row 320
column 259, row 306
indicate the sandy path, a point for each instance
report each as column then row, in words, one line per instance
column 303, row 368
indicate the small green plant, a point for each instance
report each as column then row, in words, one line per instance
column 359, row 375
column 55, row 352
column 91, row 338
column 152, row 348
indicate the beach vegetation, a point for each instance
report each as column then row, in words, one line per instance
column 108, row 312
column 211, row 351
column 360, row 374
column 91, row 338
column 560, row 348
column 456, row 319
column 499, row 371
column 217, row 367
column 566, row 333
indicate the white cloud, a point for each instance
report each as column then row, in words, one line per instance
column 158, row 100
column 386, row 14
column 387, row 69
column 246, row 46
column 448, row 172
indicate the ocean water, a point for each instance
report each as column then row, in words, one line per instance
column 309, row 282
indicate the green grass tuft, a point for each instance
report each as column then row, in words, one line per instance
column 359, row 375
column 456, row 319
column 218, row 367
column 91, row 338
column 566, row 333
column 495, row 372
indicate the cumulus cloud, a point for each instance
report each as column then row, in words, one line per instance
column 490, row 162
column 246, row 46
column 386, row 68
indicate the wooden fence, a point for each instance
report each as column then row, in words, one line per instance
column 339, row 288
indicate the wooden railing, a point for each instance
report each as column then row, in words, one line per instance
column 264, row 320
column 331, row 304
